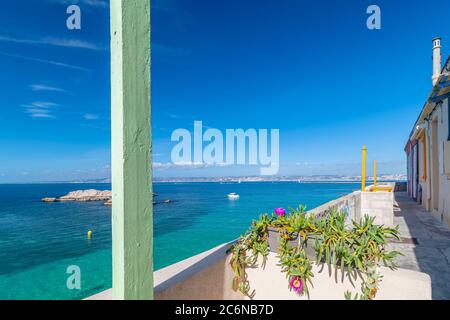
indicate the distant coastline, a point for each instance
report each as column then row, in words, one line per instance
column 296, row 179
column 238, row 179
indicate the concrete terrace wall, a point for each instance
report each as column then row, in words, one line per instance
column 329, row 284
column 357, row 204
column 350, row 204
column 209, row 276
column 379, row 205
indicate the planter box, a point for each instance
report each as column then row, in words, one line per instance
column 274, row 244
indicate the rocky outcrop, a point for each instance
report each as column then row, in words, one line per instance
column 87, row 195
column 92, row 195
column 84, row 196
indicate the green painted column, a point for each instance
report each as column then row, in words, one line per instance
column 132, row 213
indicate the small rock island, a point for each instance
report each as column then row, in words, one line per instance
column 91, row 195
column 83, row 196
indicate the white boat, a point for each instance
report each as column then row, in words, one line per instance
column 233, row 196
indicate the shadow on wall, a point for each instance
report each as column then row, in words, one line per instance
column 207, row 276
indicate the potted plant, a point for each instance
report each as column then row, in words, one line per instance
column 297, row 228
column 300, row 239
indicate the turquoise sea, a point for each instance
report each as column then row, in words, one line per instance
column 38, row 241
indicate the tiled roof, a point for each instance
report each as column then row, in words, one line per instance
column 442, row 90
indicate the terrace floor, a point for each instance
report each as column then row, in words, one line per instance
column 425, row 244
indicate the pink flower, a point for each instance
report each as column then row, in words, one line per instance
column 280, row 212
column 296, row 284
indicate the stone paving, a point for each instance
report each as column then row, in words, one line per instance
column 431, row 254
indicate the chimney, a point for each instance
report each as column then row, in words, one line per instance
column 437, row 60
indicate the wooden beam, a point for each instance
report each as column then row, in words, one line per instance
column 132, row 212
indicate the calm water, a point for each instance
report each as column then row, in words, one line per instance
column 38, row 241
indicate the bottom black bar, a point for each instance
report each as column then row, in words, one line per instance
column 283, row 310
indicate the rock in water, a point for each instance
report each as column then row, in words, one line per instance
column 49, row 200
column 87, row 195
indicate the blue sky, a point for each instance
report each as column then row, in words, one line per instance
column 309, row 68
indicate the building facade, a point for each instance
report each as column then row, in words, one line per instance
column 428, row 147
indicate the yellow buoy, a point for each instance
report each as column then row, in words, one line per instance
column 89, row 234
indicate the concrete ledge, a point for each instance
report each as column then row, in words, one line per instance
column 209, row 276
column 349, row 204
column 168, row 279
column 379, row 205
column 329, row 284
column 176, row 273
column 104, row 295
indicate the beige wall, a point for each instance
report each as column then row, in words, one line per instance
column 211, row 282
column 379, row 205
column 357, row 204
column 351, row 204
column 444, row 177
column 329, row 284
column 209, row 276
column 443, row 146
column 214, row 282
column 423, row 183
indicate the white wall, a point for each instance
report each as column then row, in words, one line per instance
column 358, row 204
column 379, row 205
column 444, row 177
column 401, row 284
column 443, row 146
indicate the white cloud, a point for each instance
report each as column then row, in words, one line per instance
column 40, row 109
column 39, row 113
column 71, row 43
column 44, row 104
column 42, row 115
column 55, row 63
column 40, row 104
column 43, row 87
column 90, row 116
column 91, row 3
column 188, row 164
column 36, row 110
column 96, row 3
column 57, row 42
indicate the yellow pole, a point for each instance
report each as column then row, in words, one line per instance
column 374, row 175
column 363, row 170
